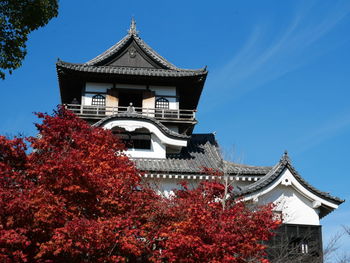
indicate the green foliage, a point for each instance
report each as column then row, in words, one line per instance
column 17, row 19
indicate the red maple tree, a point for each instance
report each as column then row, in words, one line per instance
column 75, row 197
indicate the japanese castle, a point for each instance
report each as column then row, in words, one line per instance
column 151, row 104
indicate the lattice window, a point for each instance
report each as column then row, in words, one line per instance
column 98, row 100
column 162, row 103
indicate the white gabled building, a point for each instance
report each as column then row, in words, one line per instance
column 151, row 105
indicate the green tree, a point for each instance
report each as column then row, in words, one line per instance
column 17, row 19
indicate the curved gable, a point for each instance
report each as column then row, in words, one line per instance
column 162, row 139
column 283, row 175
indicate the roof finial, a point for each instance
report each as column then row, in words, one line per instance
column 132, row 30
column 285, row 156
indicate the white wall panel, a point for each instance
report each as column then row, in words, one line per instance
column 163, row 90
column 98, row 87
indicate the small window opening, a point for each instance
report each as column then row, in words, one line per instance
column 304, row 247
column 98, row 100
column 299, row 245
column 138, row 139
column 162, row 103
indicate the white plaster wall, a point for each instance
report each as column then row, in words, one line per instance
column 165, row 186
column 102, row 87
column 163, row 90
column 131, row 125
column 87, row 99
column 159, row 141
column 160, row 91
column 173, row 104
column 97, row 87
column 296, row 204
column 295, row 208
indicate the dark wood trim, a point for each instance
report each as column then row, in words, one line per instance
column 96, row 92
column 166, row 96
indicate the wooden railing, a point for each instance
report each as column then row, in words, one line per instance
column 85, row 111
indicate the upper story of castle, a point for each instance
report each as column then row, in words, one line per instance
column 130, row 77
column 150, row 104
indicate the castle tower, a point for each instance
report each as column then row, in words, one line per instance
column 151, row 104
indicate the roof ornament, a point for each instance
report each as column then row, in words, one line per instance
column 132, row 30
column 285, row 157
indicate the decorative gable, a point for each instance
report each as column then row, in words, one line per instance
column 299, row 201
column 132, row 56
column 132, row 51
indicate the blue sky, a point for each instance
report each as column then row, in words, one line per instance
column 279, row 75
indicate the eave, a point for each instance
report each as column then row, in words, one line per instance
column 71, row 78
column 147, row 72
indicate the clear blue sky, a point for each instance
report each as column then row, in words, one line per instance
column 279, row 75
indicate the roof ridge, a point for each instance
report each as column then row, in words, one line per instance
column 133, row 35
column 247, row 165
column 113, row 49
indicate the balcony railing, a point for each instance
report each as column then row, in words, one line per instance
column 98, row 112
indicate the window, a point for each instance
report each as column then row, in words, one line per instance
column 162, row 103
column 98, row 100
column 304, row 247
column 298, row 245
column 139, row 139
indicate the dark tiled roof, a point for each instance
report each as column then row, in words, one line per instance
column 202, row 151
column 237, row 169
column 143, row 45
column 276, row 171
column 152, row 72
column 98, row 64
column 109, row 52
column 128, row 116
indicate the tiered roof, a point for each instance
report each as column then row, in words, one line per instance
column 149, row 63
column 131, row 61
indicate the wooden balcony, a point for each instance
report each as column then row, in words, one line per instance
column 99, row 112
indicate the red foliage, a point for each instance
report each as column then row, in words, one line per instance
column 77, row 198
column 195, row 228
